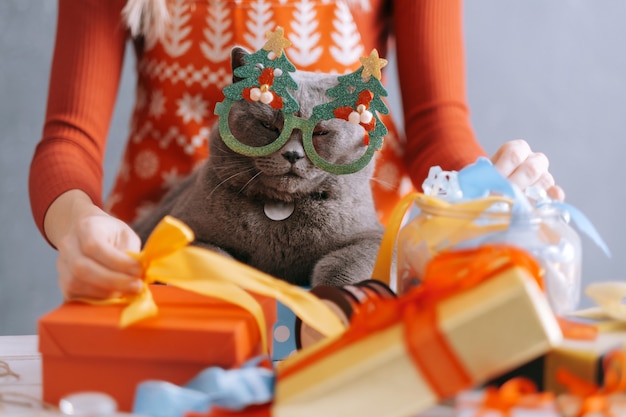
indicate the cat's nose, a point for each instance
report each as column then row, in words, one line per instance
column 292, row 156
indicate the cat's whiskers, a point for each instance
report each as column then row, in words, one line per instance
column 249, row 181
column 230, row 178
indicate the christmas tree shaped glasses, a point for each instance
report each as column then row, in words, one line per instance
column 356, row 100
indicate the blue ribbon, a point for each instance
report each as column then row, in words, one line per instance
column 233, row 389
column 583, row 224
column 481, row 178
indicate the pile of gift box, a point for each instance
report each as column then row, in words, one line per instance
column 474, row 327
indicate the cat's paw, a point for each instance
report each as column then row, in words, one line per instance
column 347, row 265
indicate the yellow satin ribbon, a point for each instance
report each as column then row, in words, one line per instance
column 168, row 258
column 453, row 228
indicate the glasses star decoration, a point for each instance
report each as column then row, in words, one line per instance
column 265, row 77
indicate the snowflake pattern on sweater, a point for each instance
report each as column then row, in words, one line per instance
column 181, row 75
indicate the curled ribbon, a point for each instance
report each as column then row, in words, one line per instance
column 6, row 371
column 593, row 398
column 516, row 392
column 447, row 275
column 168, row 258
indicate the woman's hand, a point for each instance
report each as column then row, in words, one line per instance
column 92, row 248
column 525, row 168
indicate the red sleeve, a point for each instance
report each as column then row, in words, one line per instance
column 431, row 67
column 84, row 79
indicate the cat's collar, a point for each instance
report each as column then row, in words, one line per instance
column 282, row 210
column 278, row 210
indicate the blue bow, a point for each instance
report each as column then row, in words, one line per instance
column 480, row 178
column 233, row 389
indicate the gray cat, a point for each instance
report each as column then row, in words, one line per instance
column 332, row 235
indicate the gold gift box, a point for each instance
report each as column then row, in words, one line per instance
column 491, row 328
column 582, row 358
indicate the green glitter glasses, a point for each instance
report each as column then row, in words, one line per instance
column 265, row 78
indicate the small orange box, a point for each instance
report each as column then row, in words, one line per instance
column 84, row 349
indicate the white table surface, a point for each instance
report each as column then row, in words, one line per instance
column 20, row 395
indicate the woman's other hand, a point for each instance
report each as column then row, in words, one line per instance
column 526, row 168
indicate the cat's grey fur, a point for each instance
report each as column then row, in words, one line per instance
column 333, row 235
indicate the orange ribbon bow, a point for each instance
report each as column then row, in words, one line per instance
column 516, row 392
column 596, row 399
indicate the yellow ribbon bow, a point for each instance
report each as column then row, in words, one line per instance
column 168, row 258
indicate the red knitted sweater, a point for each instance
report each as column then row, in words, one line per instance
column 180, row 77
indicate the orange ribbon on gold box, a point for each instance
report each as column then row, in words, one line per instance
column 478, row 313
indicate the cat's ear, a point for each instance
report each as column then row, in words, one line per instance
column 237, row 59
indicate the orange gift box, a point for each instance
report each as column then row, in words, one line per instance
column 84, row 349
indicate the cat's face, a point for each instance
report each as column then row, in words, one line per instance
column 287, row 173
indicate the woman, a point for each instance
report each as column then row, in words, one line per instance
column 183, row 61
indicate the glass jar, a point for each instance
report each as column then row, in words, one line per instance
column 544, row 232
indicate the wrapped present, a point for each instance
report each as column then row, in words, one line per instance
column 581, row 357
column 213, row 311
column 83, row 347
column 585, row 399
column 478, row 313
column 582, row 352
column 518, row 397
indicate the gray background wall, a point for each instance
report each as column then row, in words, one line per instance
column 552, row 72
